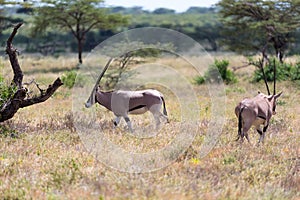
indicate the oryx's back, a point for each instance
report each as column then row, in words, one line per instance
column 135, row 102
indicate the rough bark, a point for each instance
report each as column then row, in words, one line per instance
column 12, row 53
column 44, row 94
column 19, row 100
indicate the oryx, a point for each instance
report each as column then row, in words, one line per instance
column 122, row 102
column 256, row 111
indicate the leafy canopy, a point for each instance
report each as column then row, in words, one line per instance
column 77, row 16
column 82, row 15
column 259, row 25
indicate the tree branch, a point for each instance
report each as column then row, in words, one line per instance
column 12, row 53
column 12, row 106
column 17, row 101
column 44, row 96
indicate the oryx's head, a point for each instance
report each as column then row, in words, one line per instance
column 272, row 100
column 92, row 99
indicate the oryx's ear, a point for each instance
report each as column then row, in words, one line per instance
column 278, row 95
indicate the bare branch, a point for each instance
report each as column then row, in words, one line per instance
column 44, row 95
column 12, row 106
column 9, row 108
column 12, row 53
column 235, row 68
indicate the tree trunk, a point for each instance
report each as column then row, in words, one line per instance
column 80, row 47
column 18, row 99
column 12, row 53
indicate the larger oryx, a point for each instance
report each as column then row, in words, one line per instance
column 256, row 111
column 122, row 102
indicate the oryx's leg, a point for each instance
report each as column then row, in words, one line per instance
column 260, row 132
column 164, row 116
column 116, row 121
column 246, row 126
column 127, row 120
column 247, row 137
column 248, row 120
column 261, row 139
column 156, row 118
column 155, row 110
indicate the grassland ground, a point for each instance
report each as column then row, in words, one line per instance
column 42, row 156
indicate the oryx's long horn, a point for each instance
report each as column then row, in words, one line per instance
column 274, row 88
column 261, row 65
column 91, row 99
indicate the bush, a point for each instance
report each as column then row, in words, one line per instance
column 70, row 77
column 211, row 74
column 6, row 91
column 284, row 71
column 295, row 72
column 199, row 80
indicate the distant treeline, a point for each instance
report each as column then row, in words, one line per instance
column 200, row 23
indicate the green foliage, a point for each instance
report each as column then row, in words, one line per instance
column 295, row 72
column 259, row 24
column 160, row 11
column 6, row 91
column 284, row 71
column 65, row 173
column 199, row 80
column 6, row 131
column 211, row 74
column 147, row 52
column 70, row 77
column 228, row 160
column 78, row 17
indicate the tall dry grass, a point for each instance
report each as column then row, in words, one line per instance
column 42, row 156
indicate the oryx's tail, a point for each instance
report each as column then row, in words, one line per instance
column 164, row 104
column 240, row 124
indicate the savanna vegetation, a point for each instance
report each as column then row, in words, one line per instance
column 42, row 155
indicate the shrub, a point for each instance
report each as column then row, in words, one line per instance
column 284, row 71
column 211, row 74
column 6, row 91
column 70, row 77
column 199, row 80
column 295, row 72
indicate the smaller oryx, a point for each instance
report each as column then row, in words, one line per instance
column 257, row 111
column 122, row 103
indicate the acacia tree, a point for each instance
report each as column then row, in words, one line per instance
column 260, row 25
column 77, row 16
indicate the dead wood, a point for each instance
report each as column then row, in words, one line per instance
column 18, row 99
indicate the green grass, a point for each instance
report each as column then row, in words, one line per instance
column 46, row 158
